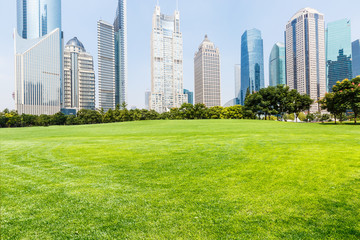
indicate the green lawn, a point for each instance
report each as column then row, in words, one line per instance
column 212, row 179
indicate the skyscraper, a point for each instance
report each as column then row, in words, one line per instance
column 38, row 57
column 79, row 77
column 166, row 62
column 277, row 71
column 106, row 65
column 237, row 73
column 339, row 70
column 305, row 54
column 147, row 99
column 356, row 58
column 252, row 63
column 190, row 96
column 207, row 74
column 337, row 37
column 120, row 29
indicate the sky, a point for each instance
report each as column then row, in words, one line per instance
column 224, row 21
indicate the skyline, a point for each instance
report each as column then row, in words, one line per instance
column 194, row 27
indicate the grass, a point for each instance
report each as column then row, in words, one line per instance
column 213, row 179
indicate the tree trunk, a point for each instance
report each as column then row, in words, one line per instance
column 355, row 117
column 335, row 118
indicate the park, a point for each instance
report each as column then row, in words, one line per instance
column 181, row 179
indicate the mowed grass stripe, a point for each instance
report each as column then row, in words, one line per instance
column 210, row 179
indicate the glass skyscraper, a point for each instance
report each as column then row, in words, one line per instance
column 339, row 70
column 106, row 65
column 38, row 57
column 252, row 63
column 337, row 37
column 277, row 65
column 120, row 29
column 356, row 58
column 190, row 96
column 166, row 62
column 305, row 54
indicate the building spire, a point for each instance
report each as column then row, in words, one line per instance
column 157, row 3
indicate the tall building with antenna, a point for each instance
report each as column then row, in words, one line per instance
column 166, row 62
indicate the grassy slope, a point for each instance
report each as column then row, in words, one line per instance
column 212, row 179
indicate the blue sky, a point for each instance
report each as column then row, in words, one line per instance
column 223, row 20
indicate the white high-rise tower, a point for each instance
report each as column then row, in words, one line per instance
column 305, row 54
column 106, row 65
column 166, row 62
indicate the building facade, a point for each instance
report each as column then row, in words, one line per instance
column 338, row 37
column 207, row 74
column 166, row 62
column 305, row 54
column 237, row 74
column 38, row 57
column 277, row 65
column 190, row 96
column 356, row 58
column 339, row 70
column 106, row 65
column 147, row 99
column 121, row 75
column 252, row 63
column 79, row 77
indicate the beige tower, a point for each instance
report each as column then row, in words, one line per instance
column 207, row 74
column 79, row 77
column 305, row 54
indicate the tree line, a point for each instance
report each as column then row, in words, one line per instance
column 280, row 102
column 121, row 114
column 275, row 103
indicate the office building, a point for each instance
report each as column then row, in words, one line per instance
column 121, row 75
column 339, row 70
column 277, row 71
column 305, row 54
column 337, row 37
column 252, row 63
column 207, row 74
column 166, row 62
column 190, row 96
column 237, row 74
column 106, row 65
column 79, row 77
column 147, row 99
column 38, row 57
column 356, row 58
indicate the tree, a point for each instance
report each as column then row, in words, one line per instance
column 200, row 111
column 58, row 119
column 109, row 116
column 216, row 112
column 234, row 112
column 349, row 94
column 333, row 103
column 187, row 110
column 87, row 116
column 44, row 120
column 299, row 102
